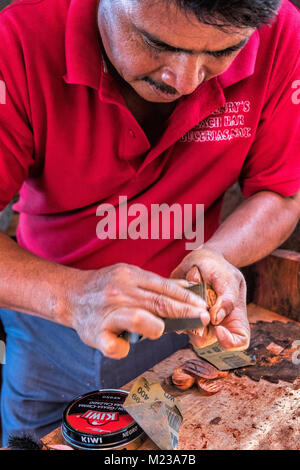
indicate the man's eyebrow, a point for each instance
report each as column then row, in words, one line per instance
column 167, row 47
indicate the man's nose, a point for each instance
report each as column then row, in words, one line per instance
column 185, row 73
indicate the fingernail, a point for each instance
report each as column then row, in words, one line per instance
column 182, row 282
column 205, row 317
column 220, row 316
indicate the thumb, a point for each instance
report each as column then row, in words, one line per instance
column 194, row 275
column 178, row 273
column 232, row 341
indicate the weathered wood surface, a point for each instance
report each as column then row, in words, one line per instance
column 244, row 415
column 277, row 283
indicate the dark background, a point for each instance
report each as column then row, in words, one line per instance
column 4, row 3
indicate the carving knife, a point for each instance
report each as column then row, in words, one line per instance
column 174, row 324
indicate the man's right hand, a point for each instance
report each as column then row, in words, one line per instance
column 101, row 304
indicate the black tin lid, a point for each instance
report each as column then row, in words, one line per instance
column 97, row 420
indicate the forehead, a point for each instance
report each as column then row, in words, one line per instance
column 165, row 20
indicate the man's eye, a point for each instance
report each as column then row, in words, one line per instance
column 153, row 47
column 221, row 53
column 159, row 49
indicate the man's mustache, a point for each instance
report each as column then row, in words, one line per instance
column 161, row 86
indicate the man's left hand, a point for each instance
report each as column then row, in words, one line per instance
column 229, row 323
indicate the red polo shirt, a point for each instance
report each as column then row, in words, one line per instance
column 69, row 142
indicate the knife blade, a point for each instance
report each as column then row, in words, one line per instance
column 177, row 324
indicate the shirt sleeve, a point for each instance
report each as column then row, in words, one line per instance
column 273, row 163
column 16, row 136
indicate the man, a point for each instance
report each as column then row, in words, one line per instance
column 117, row 105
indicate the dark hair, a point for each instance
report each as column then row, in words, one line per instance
column 226, row 13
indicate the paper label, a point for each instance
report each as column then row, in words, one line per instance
column 224, row 360
column 157, row 412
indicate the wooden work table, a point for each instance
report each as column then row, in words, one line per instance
column 245, row 414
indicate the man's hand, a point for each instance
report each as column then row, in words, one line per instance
column 229, row 324
column 104, row 303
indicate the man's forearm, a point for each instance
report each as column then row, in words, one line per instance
column 257, row 227
column 31, row 284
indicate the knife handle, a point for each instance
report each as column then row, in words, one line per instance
column 132, row 338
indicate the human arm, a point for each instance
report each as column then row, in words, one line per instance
column 258, row 226
column 98, row 304
column 253, row 230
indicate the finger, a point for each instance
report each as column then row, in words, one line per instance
column 224, row 304
column 182, row 283
column 180, row 272
column 165, row 307
column 112, row 346
column 227, row 293
column 135, row 320
column 234, row 294
column 169, row 288
column 223, row 307
column 232, row 341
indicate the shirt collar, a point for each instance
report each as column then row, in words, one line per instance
column 243, row 65
column 85, row 64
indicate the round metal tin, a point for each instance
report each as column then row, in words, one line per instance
column 97, row 420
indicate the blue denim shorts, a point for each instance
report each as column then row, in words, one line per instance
column 47, row 365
